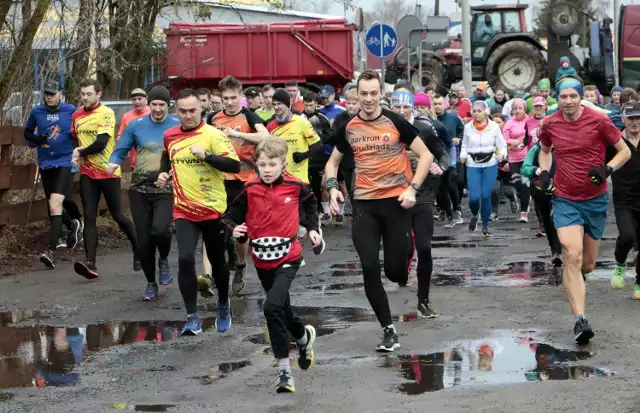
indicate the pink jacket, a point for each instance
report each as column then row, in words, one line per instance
column 514, row 132
column 533, row 125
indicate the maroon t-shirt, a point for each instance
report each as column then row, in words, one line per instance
column 579, row 147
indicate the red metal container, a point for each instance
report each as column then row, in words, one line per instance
column 317, row 51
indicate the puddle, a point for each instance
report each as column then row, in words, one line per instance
column 337, row 286
column 348, row 269
column 515, row 274
column 222, row 371
column 438, row 238
column 465, row 245
column 510, row 357
column 152, row 407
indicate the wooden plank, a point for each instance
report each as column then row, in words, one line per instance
column 5, row 154
column 5, row 176
column 18, row 137
column 22, row 176
column 6, row 135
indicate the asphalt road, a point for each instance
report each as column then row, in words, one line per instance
column 503, row 341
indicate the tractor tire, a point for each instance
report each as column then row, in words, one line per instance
column 515, row 66
column 433, row 74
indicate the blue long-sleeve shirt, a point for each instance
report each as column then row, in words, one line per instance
column 331, row 111
column 55, row 123
column 147, row 137
column 455, row 127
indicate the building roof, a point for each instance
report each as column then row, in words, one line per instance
column 267, row 8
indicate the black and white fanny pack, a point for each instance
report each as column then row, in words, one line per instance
column 271, row 248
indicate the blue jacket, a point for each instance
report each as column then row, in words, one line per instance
column 55, row 123
column 455, row 127
column 562, row 71
column 331, row 111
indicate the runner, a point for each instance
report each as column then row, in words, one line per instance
column 383, row 195
column 514, row 132
column 580, row 199
column 52, row 119
column 266, row 112
column 422, row 212
column 318, row 160
column 626, row 199
column 455, row 127
column 483, row 146
column 267, row 210
column 295, row 98
column 254, row 98
column 616, row 92
column 94, row 128
column 302, row 139
column 216, row 101
column 245, row 130
column 151, row 205
column 140, row 109
column 197, row 154
column 204, row 95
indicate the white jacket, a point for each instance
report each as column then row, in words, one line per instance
column 486, row 141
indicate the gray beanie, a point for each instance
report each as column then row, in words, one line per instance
column 159, row 93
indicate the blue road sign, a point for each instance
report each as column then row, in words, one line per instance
column 381, row 40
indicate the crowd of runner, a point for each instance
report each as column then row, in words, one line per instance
column 258, row 171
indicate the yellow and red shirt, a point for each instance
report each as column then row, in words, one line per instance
column 198, row 188
column 244, row 121
column 300, row 135
column 382, row 165
column 87, row 125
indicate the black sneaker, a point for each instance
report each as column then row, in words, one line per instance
column 74, row 234
column 473, row 224
column 239, row 279
column 137, row 264
column 285, row 382
column 319, row 249
column 556, row 260
column 306, row 354
column 425, row 310
column 87, row 269
column 389, row 340
column 62, row 243
column 582, row 331
column 485, row 232
column 49, row 259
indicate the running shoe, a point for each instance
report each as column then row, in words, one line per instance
column 485, row 232
column 151, row 292
column 339, row 220
column 442, row 215
column 540, row 234
column 524, row 218
column 436, row 214
column 306, row 353
column 473, row 223
column 582, row 331
column 636, row 291
column 239, row 279
column 205, row 284
column 285, row 382
column 192, row 327
column 62, row 243
column 302, row 232
column 425, row 310
column 494, row 217
column 389, row 341
column 166, row 276
column 137, row 264
column 87, row 269
column 74, row 234
column 326, row 218
column 556, row 260
column 450, row 224
column 458, row 218
column 617, row 278
column 49, row 258
column 319, row 249
column 223, row 317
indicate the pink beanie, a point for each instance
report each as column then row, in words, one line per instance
column 422, row 99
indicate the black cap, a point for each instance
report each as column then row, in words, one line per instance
column 281, row 95
column 252, row 92
column 51, row 86
column 631, row 110
column 159, row 93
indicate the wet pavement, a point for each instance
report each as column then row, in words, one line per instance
column 503, row 337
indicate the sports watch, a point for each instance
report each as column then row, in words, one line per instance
column 414, row 186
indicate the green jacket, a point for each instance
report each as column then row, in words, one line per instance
column 530, row 164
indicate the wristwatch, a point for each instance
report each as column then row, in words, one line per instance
column 414, row 186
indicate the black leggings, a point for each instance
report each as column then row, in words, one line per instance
column 543, row 207
column 315, row 179
column 422, row 225
column 349, row 178
column 90, row 191
column 152, row 216
column 277, row 307
column 461, row 178
column 214, row 239
column 374, row 220
column 522, row 188
column 59, row 181
column 448, row 198
column 628, row 222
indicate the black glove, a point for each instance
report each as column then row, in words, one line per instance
column 545, row 180
column 599, row 175
column 300, row 156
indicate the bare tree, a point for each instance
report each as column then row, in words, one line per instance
column 388, row 12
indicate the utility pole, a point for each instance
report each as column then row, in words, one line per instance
column 436, row 9
column 466, row 44
column 616, row 40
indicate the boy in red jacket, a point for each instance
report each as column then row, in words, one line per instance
column 267, row 211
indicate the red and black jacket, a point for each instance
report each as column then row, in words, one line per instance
column 274, row 210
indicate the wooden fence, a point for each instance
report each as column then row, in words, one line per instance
column 22, row 177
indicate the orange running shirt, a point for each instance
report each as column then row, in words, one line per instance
column 382, row 165
column 124, row 122
column 245, row 121
column 87, row 125
column 198, row 188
